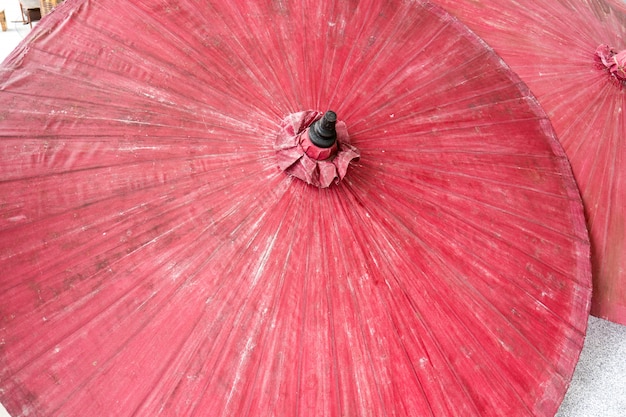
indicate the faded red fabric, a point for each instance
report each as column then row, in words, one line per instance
column 155, row 261
column 614, row 61
column 298, row 157
column 555, row 56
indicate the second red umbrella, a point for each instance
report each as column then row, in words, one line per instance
column 572, row 54
column 183, row 233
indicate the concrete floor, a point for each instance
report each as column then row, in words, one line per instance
column 598, row 388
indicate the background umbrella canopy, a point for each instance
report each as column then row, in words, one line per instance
column 156, row 261
column 552, row 45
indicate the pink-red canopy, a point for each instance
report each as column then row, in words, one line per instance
column 158, row 259
column 558, row 49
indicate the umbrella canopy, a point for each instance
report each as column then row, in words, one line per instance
column 568, row 52
column 170, row 242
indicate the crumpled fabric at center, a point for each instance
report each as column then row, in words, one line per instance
column 298, row 157
column 613, row 60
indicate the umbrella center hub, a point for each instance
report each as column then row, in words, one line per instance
column 612, row 60
column 314, row 147
column 319, row 140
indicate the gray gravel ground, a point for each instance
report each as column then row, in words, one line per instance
column 598, row 388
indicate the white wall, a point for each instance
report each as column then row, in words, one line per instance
column 11, row 9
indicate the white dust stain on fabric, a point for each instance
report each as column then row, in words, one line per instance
column 17, row 218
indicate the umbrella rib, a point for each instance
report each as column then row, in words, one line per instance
column 340, row 203
column 103, row 220
column 329, row 49
column 280, row 291
column 418, row 314
column 233, row 263
column 457, row 274
column 480, row 260
column 575, row 93
column 120, row 349
column 587, row 118
column 400, row 164
column 58, row 73
column 438, row 151
column 261, row 263
column 73, row 102
column 421, row 85
column 201, row 127
column 325, row 59
column 596, row 168
column 383, row 84
column 460, row 174
column 88, row 296
column 259, row 78
column 463, row 284
column 218, row 289
column 476, row 227
column 303, row 311
column 608, row 187
column 323, row 235
column 195, row 348
column 201, row 157
column 176, row 38
column 136, row 250
column 142, row 145
column 178, row 181
column 588, row 186
column 304, row 54
column 488, row 205
column 443, row 126
column 286, row 57
column 355, row 303
column 465, row 219
column 352, row 51
column 195, row 331
column 124, row 76
column 214, row 253
column 250, row 65
column 346, row 211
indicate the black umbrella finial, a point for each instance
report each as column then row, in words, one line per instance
column 322, row 132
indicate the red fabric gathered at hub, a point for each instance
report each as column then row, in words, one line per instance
column 613, row 61
column 298, row 157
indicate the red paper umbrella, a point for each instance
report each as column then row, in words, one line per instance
column 186, row 229
column 572, row 55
